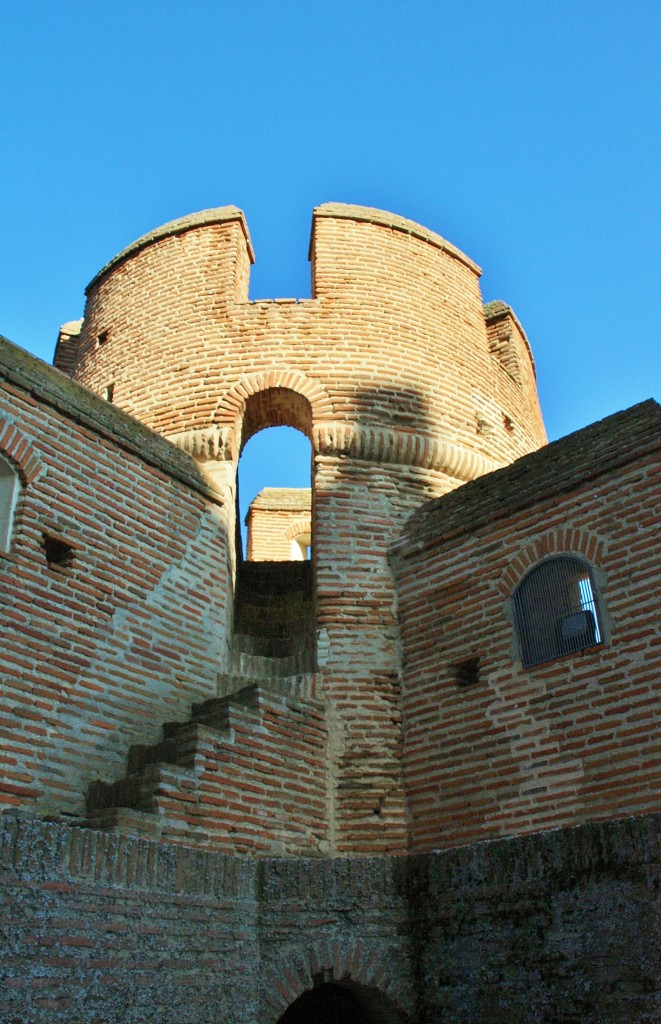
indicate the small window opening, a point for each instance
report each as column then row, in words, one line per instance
column 556, row 610
column 9, row 490
column 102, row 338
column 58, row 552
column 508, row 424
column 467, row 673
column 109, row 392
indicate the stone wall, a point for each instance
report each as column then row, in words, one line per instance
column 558, row 926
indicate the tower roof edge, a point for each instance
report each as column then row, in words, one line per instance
column 215, row 215
column 371, row 215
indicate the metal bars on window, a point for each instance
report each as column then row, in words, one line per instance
column 556, row 611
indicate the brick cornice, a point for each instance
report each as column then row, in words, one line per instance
column 399, row 448
column 347, row 440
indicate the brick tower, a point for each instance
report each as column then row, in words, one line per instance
column 406, row 386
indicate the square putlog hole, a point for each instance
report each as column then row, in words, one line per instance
column 58, row 552
column 467, row 673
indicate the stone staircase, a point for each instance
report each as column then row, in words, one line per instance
column 274, row 629
column 246, row 772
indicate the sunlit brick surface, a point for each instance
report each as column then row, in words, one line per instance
column 579, row 737
column 405, row 385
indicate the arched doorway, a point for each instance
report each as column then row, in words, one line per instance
column 275, row 425
column 275, row 495
column 273, row 638
column 344, row 1002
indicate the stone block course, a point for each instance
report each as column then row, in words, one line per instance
column 561, row 925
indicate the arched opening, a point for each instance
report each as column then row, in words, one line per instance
column 274, row 480
column 342, row 1002
column 556, row 610
column 274, row 606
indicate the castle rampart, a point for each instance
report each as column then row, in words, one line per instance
column 395, row 332
column 388, row 369
column 244, row 743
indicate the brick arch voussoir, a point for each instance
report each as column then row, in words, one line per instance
column 231, row 406
column 365, row 963
column 300, row 525
column 565, row 540
column 15, row 447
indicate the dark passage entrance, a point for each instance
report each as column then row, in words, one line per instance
column 341, row 1003
column 329, row 1004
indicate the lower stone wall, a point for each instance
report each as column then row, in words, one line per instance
column 557, row 926
column 561, row 926
column 100, row 929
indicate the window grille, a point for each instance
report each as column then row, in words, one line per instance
column 555, row 610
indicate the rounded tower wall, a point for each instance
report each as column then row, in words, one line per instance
column 406, row 388
column 395, row 336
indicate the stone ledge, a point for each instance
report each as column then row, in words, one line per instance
column 46, row 851
column 65, row 855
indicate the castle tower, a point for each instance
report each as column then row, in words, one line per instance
column 406, row 385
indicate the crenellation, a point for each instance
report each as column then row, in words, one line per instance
column 277, row 787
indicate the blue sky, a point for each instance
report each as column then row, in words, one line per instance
column 527, row 133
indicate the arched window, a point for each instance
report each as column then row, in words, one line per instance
column 556, row 610
column 9, row 487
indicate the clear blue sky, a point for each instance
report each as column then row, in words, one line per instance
column 526, row 132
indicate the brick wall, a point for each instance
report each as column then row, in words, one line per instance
column 97, row 654
column 562, row 925
column 389, row 371
column 395, row 334
column 576, row 738
column 247, row 774
column 277, row 517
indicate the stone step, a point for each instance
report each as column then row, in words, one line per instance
column 274, row 577
column 180, row 745
column 302, row 685
column 256, row 666
column 263, row 623
column 137, row 791
column 246, row 695
column 272, row 647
